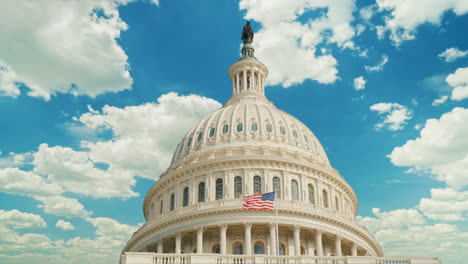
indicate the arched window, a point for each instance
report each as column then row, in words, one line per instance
column 237, row 187
column 259, row 248
column 303, row 251
column 282, row 249
column 186, row 197
column 294, row 190
column 225, row 129
column 254, row 126
column 311, row 194
column 239, row 127
column 161, row 207
column 201, row 192
column 237, row 248
column 325, row 198
column 306, row 139
column 277, row 187
column 189, row 143
column 212, row 132
column 282, row 130
column 294, row 132
column 216, row 248
column 200, row 136
column 219, row 189
column 257, row 185
column 337, row 203
column 269, row 128
column 172, row 201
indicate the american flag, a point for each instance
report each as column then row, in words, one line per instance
column 259, row 201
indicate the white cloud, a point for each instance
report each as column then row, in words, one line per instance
column 16, row 181
column 440, row 101
column 288, row 46
column 359, row 83
column 16, row 219
column 406, row 15
column 459, row 81
column 108, row 227
column 452, row 54
column 62, row 206
column 394, row 116
column 441, row 149
column 64, row 225
column 66, row 47
column 379, row 66
column 445, row 205
column 393, row 219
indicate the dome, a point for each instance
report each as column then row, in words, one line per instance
column 249, row 147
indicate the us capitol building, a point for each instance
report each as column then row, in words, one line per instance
column 194, row 211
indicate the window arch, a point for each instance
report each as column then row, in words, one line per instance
column 325, row 198
column 172, row 201
column 200, row 136
column 277, row 187
column 237, row 248
column 257, row 185
column 219, row 189
column 269, row 128
column 216, row 248
column 254, row 126
column 186, row 197
column 294, row 132
column 337, row 203
column 212, row 132
column 201, row 192
column 259, row 248
column 294, row 190
column 239, row 127
column 225, row 129
column 282, row 249
column 237, row 187
column 311, row 194
column 282, row 130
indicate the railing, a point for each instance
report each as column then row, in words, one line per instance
column 154, row 258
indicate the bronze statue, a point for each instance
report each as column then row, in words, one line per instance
column 247, row 33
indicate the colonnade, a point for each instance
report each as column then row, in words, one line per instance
column 248, row 80
column 274, row 246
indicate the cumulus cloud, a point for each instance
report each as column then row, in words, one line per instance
column 288, row 46
column 64, row 225
column 441, row 149
column 392, row 219
column 108, row 227
column 16, row 181
column 445, row 205
column 452, row 54
column 62, row 206
column 393, row 115
column 406, row 15
column 440, row 100
column 459, row 81
column 66, row 47
column 16, row 219
column 359, row 83
column 379, row 66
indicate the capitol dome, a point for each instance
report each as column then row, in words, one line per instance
column 245, row 148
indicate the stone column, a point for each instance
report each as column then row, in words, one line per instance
column 248, row 239
column 354, row 250
column 252, row 80
column 178, row 243
column 222, row 238
column 273, row 243
column 338, row 246
column 200, row 240
column 297, row 240
column 318, row 243
column 244, row 82
column 160, row 246
column 237, row 82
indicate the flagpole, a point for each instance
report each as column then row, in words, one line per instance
column 277, row 232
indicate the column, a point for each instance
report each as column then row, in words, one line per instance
column 248, row 239
column 244, row 84
column 318, row 243
column 297, row 240
column 338, row 246
column 237, row 82
column 252, row 80
column 273, row 243
column 160, row 246
column 354, row 250
column 200, row 240
column 234, row 84
column 222, row 238
column 178, row 242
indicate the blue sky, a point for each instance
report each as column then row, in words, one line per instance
column 94, row 97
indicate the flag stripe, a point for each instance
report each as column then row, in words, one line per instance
column 259, row 201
